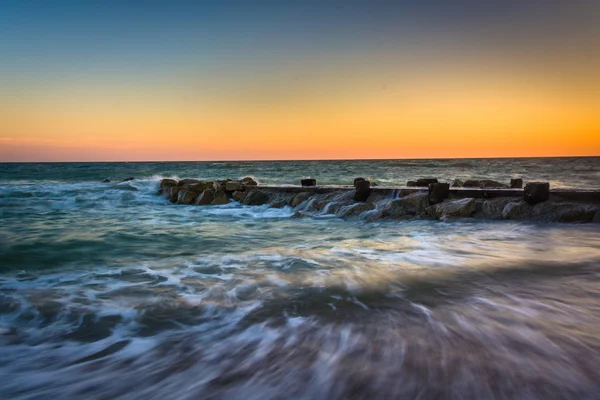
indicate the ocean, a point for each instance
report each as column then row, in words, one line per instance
column 108, row 291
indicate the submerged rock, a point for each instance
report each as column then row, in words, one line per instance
column 355, row 209
column 300, row 198
column 453, row 208
column 106, row 181
column 128, row 179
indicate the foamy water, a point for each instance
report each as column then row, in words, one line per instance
column 109, row 291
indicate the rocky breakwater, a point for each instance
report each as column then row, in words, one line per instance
column 536, row 202
column 201, row 193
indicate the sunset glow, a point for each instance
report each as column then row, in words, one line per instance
column 288, row 86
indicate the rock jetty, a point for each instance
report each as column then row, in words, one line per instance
column 424, row 198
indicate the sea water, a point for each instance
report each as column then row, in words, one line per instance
column 109, row 291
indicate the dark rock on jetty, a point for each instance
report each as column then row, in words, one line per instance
column 516, row 183
column 485, row 183
column 362, row 190
column 309, row 182
column 438, row 201
column 425, row 182
column 537, row 192
column 197, row 192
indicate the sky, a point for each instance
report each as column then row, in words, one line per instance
column 259, row 80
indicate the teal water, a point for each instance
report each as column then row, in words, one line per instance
column 109, row 291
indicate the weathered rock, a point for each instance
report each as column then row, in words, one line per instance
column 220, row 198
column 220, row 184
column 165, row 185
column 536, row 192
column 517, row 210
column 362, row 190
column 438, row 192
column 564, row 212
column 422, row 182
column 173, row 194
column 198, row 186
column 299, row 198
column 205, row 198
column 248, row 181
column 453, row 208
column 413, row 204
column 358, row 180
column 256, row 197
column 238, row 196
column 493, row 208
column 484, row 183
column 106, row 181
column 185, row 182
column 309, row 182
column 457, row 183
column 233, row 186
column 128, row 179
column 516, row 183
column 596, row 218
column 355, row 209
column 186, row 196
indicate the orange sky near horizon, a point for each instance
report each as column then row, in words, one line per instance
column 434, row 116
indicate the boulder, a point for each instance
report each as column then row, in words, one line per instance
column 453, row 208
column 186, row 196
column 173, row 194
column 356, row 209
column 220, row 198
column 484, row 183
column 413, row 204
column 423, row 182
column 185, row 182
column 238, row 196
column 493, row 208
column 205, row 198
column 358, row 180
column 308, row 182
column 517, row 210
column 256, row 197
column 165, row 185
column 299, row 198
column 233, row 186
column 536, row 192
column 198, row 186
column 564, row 212
column 516, row 183
column 362, row 190
column 248, row 181
column 470, row 183
column 220, row 184
column 457, row 183
column 438, row 192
